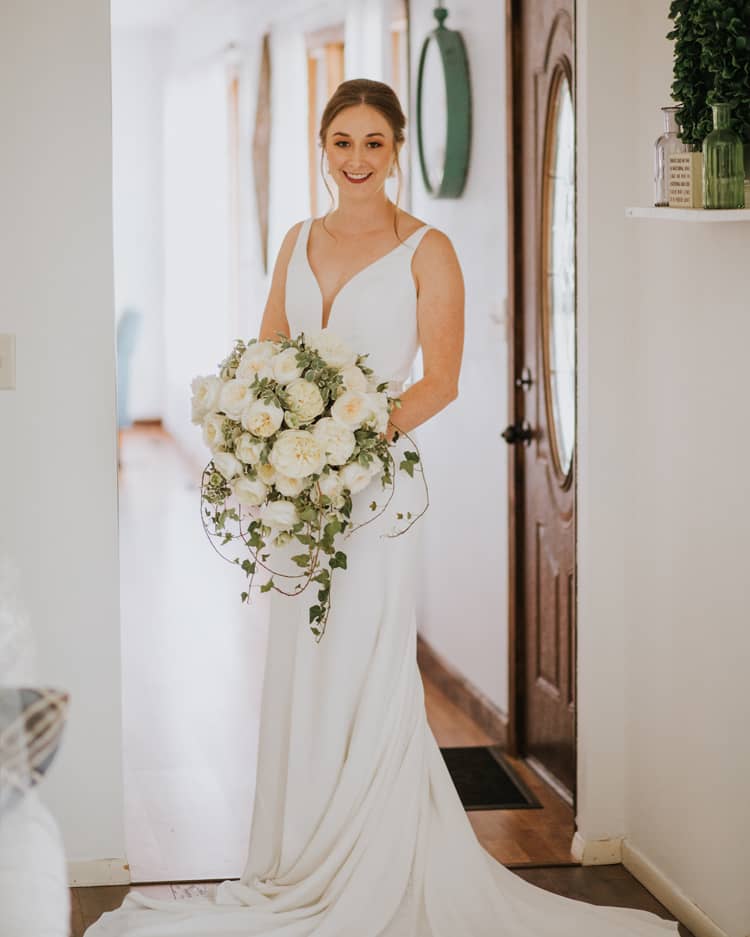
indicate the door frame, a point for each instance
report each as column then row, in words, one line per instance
column 515, row 337
column 515, row 342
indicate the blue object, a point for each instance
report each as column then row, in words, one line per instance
column 128, row 327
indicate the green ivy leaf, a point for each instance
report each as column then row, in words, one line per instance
column 338, row 560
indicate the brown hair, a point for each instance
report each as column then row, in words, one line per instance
column 382, row 98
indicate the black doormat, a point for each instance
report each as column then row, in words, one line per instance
column 485, row 780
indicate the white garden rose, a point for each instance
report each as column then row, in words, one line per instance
column 247, row 449
column 330, row 484
column 262, row 419
column 297, row 453
column 351, row 409
column 354, row 378
column 213, row 436
column 227, row 464
column 256, row 361
column 205, row 396
column 249, row 491
column 305, row 399
column 279, row 515
column 337, row 440
column 290, row 487
column 379, row 408
column 266, row 472
column 355, row 477
column 332, row 349
column 284, row 366
column 234, row 396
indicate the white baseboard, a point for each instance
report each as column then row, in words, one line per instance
column 665, row 890
column 618, row 849
column 98, row 872
column 596, row 851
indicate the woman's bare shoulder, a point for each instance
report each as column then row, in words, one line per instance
column 291, row 235
column 435, row 257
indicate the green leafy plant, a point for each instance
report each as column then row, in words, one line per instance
column 711, row 64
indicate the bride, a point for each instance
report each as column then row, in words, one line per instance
column 357, row 829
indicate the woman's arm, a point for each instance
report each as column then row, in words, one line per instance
column 274, row 315
column 440, row 321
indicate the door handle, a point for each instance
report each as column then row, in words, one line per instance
column 525, row 381
column 518, row 432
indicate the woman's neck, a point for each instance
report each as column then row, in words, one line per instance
column 361, row 217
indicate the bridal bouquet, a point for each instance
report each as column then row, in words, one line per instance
column 295, row 428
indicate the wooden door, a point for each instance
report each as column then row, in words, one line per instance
column 542, row 434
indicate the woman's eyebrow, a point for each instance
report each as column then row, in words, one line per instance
column 341, row 133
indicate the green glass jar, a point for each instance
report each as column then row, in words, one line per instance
column 723, row 163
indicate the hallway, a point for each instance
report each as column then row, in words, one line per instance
column 193, row 661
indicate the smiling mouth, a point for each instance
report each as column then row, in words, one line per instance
column 357, row 177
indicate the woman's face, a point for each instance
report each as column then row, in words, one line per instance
column 360, row 150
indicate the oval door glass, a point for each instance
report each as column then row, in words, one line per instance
column 560, row 300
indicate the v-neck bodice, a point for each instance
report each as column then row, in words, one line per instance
column 375, row 310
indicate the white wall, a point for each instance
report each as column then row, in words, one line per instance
column 463, row 610
column 58, row 499
column 138, row 66
column 664, row 512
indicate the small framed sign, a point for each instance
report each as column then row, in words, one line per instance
column 686, row 180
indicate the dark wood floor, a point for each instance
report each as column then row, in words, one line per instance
column 603, row 884
column 534, row 843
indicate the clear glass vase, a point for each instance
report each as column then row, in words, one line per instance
column 668, row 143
column 723, row 163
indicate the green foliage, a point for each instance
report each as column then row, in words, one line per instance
column 408, row 462
column 711, row 64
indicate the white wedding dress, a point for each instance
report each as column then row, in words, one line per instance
column 357, row 829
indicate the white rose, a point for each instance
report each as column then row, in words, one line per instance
column 379, row 412
column 234, row 397
column 351, row 409
column 285, row 367
column 227, row 464
column 213, row 436
column 281, row 515
column 256, row 361
column 354, row 378
column 297, row 453
column 332, row 349
column 247, row 449
column 330, row 484
column 266, row 472
column 337, row 440
column 249, row 491
column 305, row 399
column 355, row 477
column 205, row 396
column 262, row 419
column 290, row 487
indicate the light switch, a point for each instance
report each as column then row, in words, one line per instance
column 7, row 362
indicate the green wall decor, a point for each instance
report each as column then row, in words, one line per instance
column 443, row 110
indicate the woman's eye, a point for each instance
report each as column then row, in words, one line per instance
column 346, row 143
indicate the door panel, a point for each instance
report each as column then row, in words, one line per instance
column 543, row 445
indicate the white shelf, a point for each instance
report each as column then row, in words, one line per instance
column 701, row 215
